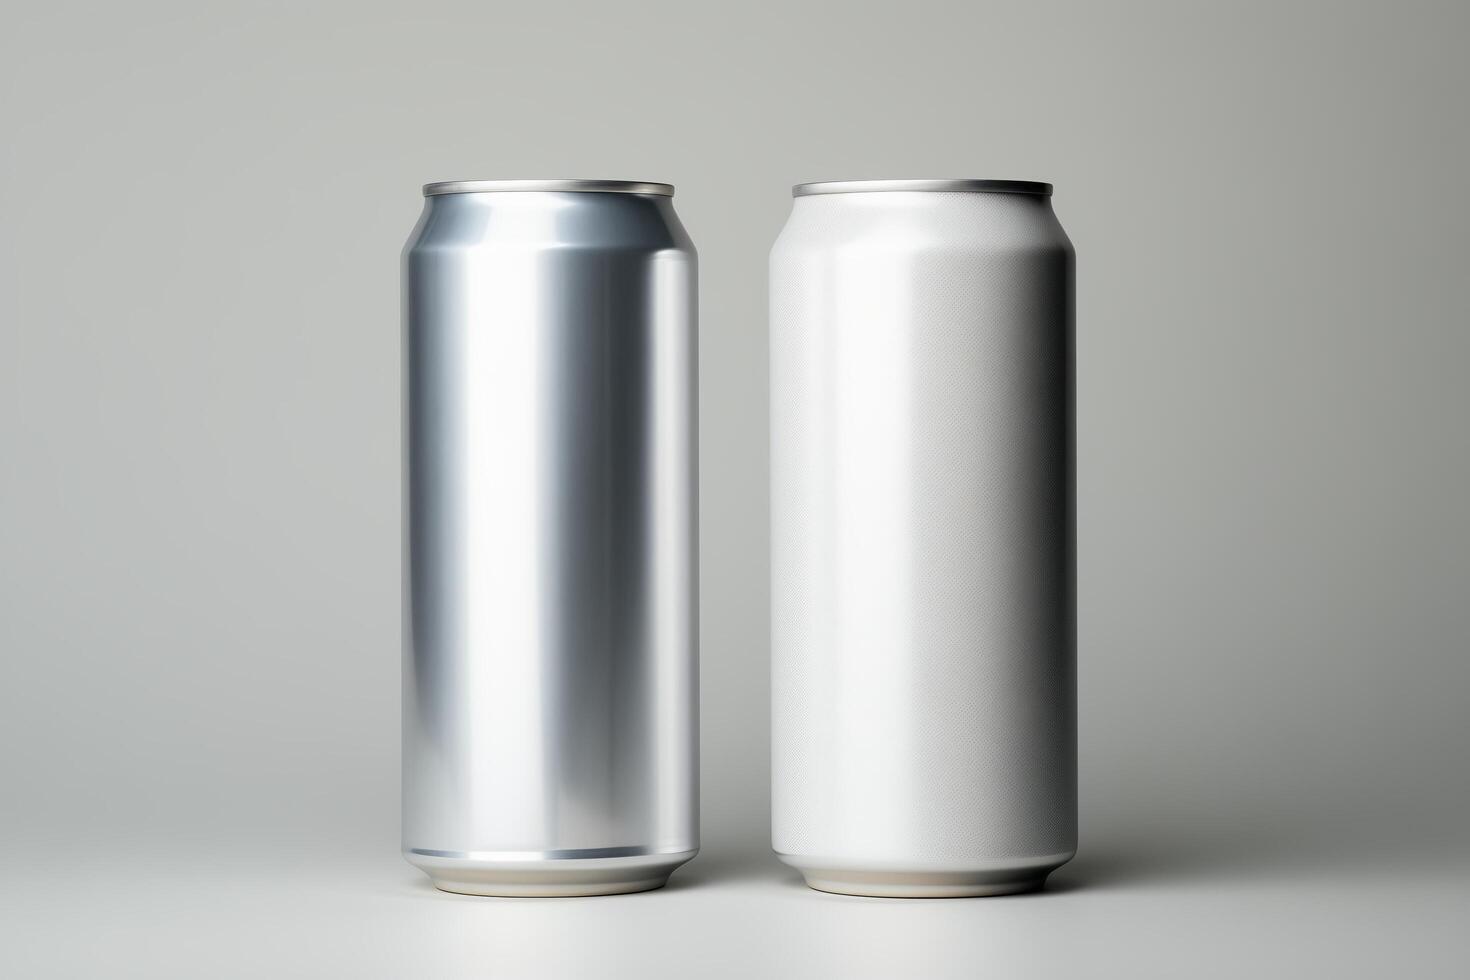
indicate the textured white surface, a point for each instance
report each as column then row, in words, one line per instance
column 923, row 670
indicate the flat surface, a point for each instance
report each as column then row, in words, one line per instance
column 363, row 914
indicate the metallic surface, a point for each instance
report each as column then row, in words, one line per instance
column 549, row 709
column 554, row 185
column 929, row 185
column 923, row 660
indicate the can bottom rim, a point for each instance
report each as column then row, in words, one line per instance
column 551, row 878
column 922, row 880
column 847, row 883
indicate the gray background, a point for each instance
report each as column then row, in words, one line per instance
column 200, row 216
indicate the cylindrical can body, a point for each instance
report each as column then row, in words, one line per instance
column 550, row 672
column 923, row 662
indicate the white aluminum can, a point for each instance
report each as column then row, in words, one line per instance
column 923, row 599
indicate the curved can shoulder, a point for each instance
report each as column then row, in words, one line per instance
column 549, row 220
column 920, row 222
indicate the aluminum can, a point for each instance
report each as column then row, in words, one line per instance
column 550, row 671
column 924, row 692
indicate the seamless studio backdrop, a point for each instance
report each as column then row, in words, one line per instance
column 201, row 210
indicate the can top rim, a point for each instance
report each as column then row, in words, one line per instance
column 943, row 185
column 558, row 185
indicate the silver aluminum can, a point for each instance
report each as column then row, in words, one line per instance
column 923, row 669
column 550, row 673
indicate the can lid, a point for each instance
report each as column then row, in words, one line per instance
column 934, row 185
column 554, row 185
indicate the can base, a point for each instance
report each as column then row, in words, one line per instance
column 898, row 882
column 514, row 877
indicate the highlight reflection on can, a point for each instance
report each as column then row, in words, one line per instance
column 923, row 663
column 549, row 709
